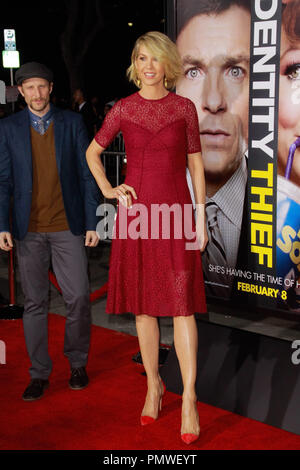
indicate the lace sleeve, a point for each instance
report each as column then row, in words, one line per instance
column 192, row 128
column 110, row 127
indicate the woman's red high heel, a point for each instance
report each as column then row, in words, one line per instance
column 189, row 438
column 145, row 420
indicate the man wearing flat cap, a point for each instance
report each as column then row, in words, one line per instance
column 46, row 182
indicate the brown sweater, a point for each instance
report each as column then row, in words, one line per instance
column 47, row 208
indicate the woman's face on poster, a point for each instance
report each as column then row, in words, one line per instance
column 289, row 105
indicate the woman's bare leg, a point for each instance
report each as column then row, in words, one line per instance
column 186, row 345
column 148, row 335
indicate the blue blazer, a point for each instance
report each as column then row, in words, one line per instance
column 79, row 190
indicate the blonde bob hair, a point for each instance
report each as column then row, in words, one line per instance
column 161, row 47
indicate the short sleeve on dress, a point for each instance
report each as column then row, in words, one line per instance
column 110, row 127
column 192, row 128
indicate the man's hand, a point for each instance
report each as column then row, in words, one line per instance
column 6, row 242
column 91, row 239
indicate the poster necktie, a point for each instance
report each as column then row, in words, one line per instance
column 215, row 256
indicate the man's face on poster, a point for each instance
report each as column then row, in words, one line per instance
column 215, row 50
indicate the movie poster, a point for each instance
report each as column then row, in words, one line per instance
column 241, row 64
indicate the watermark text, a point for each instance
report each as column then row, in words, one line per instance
column 2, row 353
column 159, row 221
column 296, row 354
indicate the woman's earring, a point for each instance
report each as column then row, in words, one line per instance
column 166, row 83
column 138, row 82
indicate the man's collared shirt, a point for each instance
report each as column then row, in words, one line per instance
column 35, row 120
column 230, row 200
column 81, row 105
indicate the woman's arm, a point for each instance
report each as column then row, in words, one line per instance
column 123, row 193
column 196, row 169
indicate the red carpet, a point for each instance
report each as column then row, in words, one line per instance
column 106, row 414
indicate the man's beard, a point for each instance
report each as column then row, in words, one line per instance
column 41, row 107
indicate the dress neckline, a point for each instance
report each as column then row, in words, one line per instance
column 153, row 100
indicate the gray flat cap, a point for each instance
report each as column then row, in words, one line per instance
column 33, row 70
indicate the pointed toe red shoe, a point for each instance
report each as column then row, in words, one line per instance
column 189, row 438
column 145, row 420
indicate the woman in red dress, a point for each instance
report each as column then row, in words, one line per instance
column 153, row 271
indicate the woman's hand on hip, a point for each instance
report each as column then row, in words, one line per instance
column 124, row 193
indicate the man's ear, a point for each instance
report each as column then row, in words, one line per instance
column 21, row 90
column 51, row 87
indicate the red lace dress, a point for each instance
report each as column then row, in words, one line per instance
column 151, row 270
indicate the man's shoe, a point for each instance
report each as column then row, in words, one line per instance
column 79, row 379
column 35, row 389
